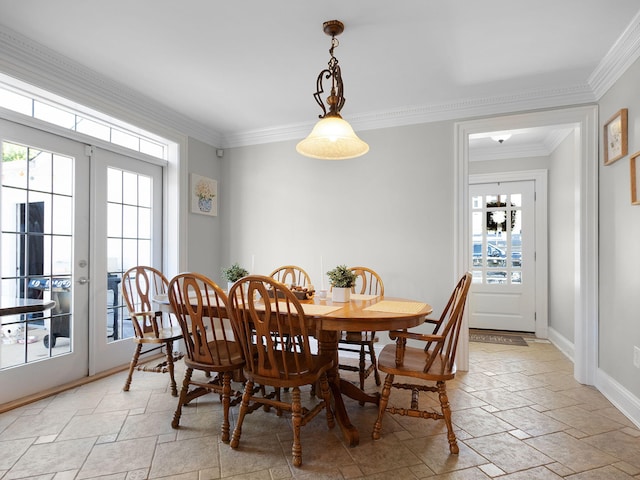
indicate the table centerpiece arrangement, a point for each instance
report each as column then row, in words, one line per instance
column 342, row 279
column 234, row 273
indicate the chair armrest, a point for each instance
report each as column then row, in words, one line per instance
column 398, row 334
column 401, row 337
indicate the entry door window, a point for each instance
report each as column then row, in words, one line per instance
column 37, row 250
column 497, row 238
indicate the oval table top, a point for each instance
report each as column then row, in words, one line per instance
column 367, row 312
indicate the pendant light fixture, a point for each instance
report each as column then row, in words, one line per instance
column 332, row 138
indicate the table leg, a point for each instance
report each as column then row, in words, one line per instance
column 352, row 391
column 328, row 344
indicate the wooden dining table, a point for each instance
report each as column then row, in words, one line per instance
column 18, row 306
column 362, row 313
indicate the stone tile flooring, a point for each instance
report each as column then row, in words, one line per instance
column 518, row 414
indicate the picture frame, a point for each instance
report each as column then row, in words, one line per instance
column 615, row 137
column 635, row 179
column 204, row 195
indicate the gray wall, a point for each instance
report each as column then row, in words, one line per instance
column 204, row 231
column 562, row 251
column 391, row 210
column 619, row 236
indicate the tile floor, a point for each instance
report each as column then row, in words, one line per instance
column 518, row 414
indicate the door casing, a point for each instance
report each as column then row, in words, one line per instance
column 584, row 349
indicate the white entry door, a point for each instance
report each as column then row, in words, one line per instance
column 44, row 253
column 503, row 293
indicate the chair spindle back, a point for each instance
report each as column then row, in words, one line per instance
column 368, row 282
column 267, row 314
column 200, row 306
column 449, row 325
column 140, row 284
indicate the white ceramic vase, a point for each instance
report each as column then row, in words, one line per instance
column 340, row 294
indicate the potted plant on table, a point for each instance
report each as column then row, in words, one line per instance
column 234, row 273
column 342, row 279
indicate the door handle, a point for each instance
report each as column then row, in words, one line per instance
column 83, row 280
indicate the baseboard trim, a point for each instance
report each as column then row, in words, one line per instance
column 561, row 343
column 621, row 398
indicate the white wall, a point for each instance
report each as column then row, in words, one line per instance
column 390, row 210
column 562, row 248
column 619, row 255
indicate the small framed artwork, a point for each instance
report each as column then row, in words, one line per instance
column 615, row 137
column 635, row 179
column 204, row 195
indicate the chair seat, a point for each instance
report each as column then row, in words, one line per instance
column 413, row 365
column 230, row 362
column 320, row 365
column 164, row 335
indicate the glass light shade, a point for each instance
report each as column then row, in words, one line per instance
column 332, row 138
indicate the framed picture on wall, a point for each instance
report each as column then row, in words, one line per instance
column 615, row 137
column 635, row 179
column 204, row 195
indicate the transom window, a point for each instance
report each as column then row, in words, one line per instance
column 109, row 130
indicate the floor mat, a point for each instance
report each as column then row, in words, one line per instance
column 499, row 338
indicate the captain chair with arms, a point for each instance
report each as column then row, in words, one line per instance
column 201, row 307
column 368, row 282
column 433, row 363
column 263, row 319
column 140, row 285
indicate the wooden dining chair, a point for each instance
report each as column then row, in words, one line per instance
column 262, row 326
column 201, row 309
column 151, row 326
column 433, row 363
column 291, row 274
column 368, row 282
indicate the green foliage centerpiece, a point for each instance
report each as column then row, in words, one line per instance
column 342, row 279
column 234, row 273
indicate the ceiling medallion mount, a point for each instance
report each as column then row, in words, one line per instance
column 333, row 28
column 332, row 138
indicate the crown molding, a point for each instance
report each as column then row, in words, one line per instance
column 556, row 137
column 476, row 107
column 618, row 59
column 37, row 65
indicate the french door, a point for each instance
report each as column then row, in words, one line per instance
column 73, row 219
column 503, row 292
column 127, row 221
column 44, row 253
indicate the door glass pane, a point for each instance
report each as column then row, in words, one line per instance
column 63, row 175
column 496, row 224
column 129, row 240
column 37, row 247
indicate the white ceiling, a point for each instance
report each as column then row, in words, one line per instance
column 248, row 67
